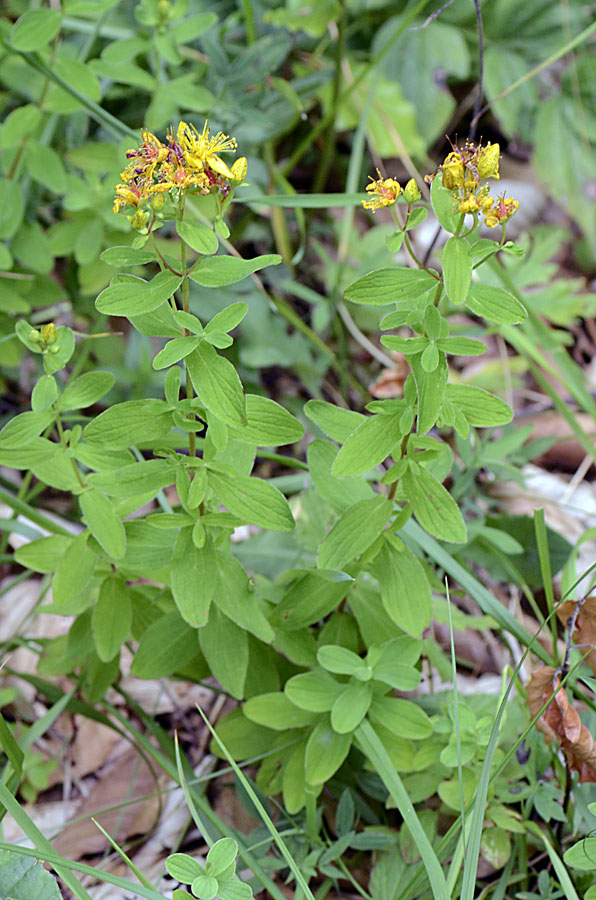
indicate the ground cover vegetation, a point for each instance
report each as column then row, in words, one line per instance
column 295, row 312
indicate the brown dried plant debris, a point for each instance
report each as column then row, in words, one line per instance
column 584, row 630
column 561, row 721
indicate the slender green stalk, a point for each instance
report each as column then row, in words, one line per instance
column 192, row 447
column 547, row 578
column 24, row 509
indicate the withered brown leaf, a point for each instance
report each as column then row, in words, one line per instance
column 561, row 721
column 584, row 631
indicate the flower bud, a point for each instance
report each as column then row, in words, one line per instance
column 139, row 220
column 54, row 349
column 411, row 192
column 488, row 161
column 239, row 170
column 157, row 202
column 164, row 7
column 35, row 336
column 453, row 171
column 48, row 333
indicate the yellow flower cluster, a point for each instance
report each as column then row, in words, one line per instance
column 189, row 161
column 385, row 191
column 464, row 171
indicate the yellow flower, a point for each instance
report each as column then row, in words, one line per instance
column 488, row 161
column 469, row 205
column 501, row 212
column 48, row 333
column 239, row 170
column 453, row 171
column 383, row 192
column 201, row 150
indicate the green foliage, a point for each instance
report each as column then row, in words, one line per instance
column 150, row 410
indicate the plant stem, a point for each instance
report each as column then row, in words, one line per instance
column 192, row 447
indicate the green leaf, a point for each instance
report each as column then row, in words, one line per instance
column 45, row 166
column 204, row 887
column 252, row 500
column 334, row 421
column 130, row 423
column 19, row 123
column 350, row 707
column 402, row 717
column 135, row 297
column 184, row 868
column 310, row 598
column 354, row 532
column 267, row 424
column 275, row 710
column 444, row 204
column 313, row 691
column 112, row 617
column 44, row 554
column 405, row 590
column 221, row 857
column 461, row 346
column 433, row 505
column 148, row 476
column 199, row 237
column 22, row 877
column 193, row 578
column 217, row 384
column 73, row 572
column 582, row 855
column 481, row 409
column 227, row 319
column 126, row 256
column 495, row 305
column 35, row 28
column 12, row 206
column 192, row 27
column 225, row 647
column 236, row 599
column 339, row 494
column 457, row 269
column 384, row 286
column 103, row 523
column 340, row 660
column 86, row 390
column 372, row 442
column 175, row 350
column 407, row 346
column 235, row 890
column 44, row 393
column 430, row 387
column 219, row 271
column 167, row 645
column 19, row 431
column 325, row 752
column 394, row 663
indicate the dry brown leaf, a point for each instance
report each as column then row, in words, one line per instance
column 390, row 382
column 584, row 631
column 561, row 721
column 127, row 781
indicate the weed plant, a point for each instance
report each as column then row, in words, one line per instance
column 150, row 421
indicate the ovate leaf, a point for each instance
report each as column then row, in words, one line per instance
column 216, row 382
column 219, row 271
column 433, row 505
column 112, row 617
column 495, row 305
column 386, row 286
column 103, row 523
column 368, row 445
column 129, row 423
column 325, row 752
column 457, row 269
column 252, row 500
column 354, row 532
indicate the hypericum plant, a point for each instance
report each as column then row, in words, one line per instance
column 319, row 652
column 372, row 584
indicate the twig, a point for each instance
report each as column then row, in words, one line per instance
column 478, row 103
column 432, row 17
